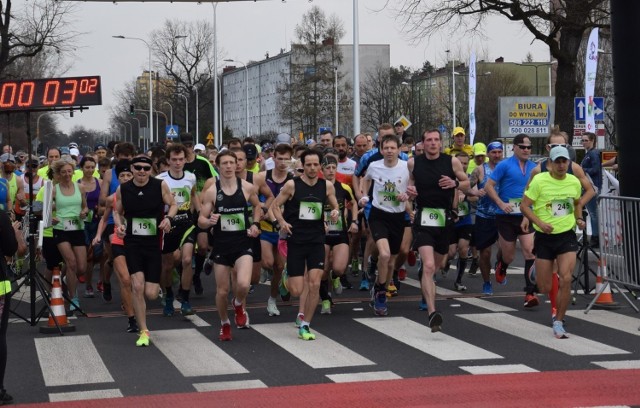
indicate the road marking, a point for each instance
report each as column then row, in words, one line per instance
column 193, row 354
column 541, row 334
column 84, row 395
column 197, row 321
column 618, row 365
column 419, row 336
column 612, row 320
column 499, row 369
column 319, row 353
column 229, row 385
column 485, row 304
column 369, row 376
column 61, row 363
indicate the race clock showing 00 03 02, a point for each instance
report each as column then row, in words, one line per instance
column 50, row 93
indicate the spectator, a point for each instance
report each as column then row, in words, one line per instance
column 592, row 166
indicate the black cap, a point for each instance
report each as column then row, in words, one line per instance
column 251, row 151
column 123, row 165
column 186, row 138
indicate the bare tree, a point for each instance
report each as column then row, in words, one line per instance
column 39, row 26
column 375, row 97
column 561, row 24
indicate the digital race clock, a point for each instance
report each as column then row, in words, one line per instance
column 50, row 93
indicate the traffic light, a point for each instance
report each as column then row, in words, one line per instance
column 132, row 110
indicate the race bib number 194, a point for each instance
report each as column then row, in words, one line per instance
column 232, row 222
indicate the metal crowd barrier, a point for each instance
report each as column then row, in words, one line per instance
column 619, row 221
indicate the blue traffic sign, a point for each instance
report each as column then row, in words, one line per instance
column 442, row 128
column 172, row 131
column 580, row 109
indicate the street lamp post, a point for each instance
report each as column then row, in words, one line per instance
column 335, row 71
column 186, row 112
column 137, row 120
column 150, row 80
column 130, row 131
column 217, row 128
column 197, row 119
column 246, row 93
column 170, row 111
column 145, row 142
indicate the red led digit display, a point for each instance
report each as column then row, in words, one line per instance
column 38, row 94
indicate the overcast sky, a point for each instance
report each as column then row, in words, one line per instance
column 247, row 30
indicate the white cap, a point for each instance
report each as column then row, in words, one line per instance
column 74, row 152
column 200, row 147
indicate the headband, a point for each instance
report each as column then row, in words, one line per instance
column 494, row 146
column 123, row 165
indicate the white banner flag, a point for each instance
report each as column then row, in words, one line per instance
column 591, row 67
column 472, row 97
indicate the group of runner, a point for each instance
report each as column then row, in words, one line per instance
column 301, row 213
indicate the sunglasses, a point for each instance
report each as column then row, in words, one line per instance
column 551, row 146
column 524, row 147
column 142, row 168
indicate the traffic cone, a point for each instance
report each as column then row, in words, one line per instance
column 605, row 299
column 58, row 314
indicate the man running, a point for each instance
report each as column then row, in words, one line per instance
column 140, row 208
column 552, row 203
column 509, row 179
column 434, row 179
column 302, row 219
column 225, row 208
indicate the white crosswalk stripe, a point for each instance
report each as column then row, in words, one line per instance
column 541, row 335
column 608, row 319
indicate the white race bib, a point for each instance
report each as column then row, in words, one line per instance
column 333, row 226
column 310, row 211
column 432, row 217
column 561, row 208
column 71, row 224
column 144, row 227
column 232, row 222
column 515, row 205
column 463, row 209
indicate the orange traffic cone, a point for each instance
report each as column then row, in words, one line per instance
column 58, row 314
column 605, row 299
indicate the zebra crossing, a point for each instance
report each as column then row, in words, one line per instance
column 481, row 337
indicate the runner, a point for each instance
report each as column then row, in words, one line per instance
column 552, row 203
column 387, row 179
column 337, row 239
column 506, row 187
column 303, row 199
column 91, row 186
column 68, row 226
column 140, row 205
column 271, row 259
column 177, row 247
column 485, row 232
column 434, row 178
column 224, row 207
column 124, row 174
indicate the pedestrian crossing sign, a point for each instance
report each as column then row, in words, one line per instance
column 172, row 131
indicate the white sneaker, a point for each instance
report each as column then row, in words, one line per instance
column 272, row 309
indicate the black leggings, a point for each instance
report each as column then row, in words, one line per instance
column 5, row 304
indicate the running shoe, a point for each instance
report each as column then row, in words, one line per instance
column 380, row 303
column 242, row 317
column 435, row 321
column 186, row 308
column 88, row 293
column 133, row 326
column 197, row 284
column 168, row 309
column 411, row 258
column 364, row 284
column 75, row 304
column 501, row 273
column 225, row 332
column 473, row 269
column 252, row 288
column 299, row 319
column 558, row 330
column 106, row 292
column 459, row 287
column 143, row 340
column 99, row 286
column 272, row 309
column 337, row 286
column 392, row 289
column 344, row 281
column 5, row 399
column 305, row 334
column 422, row 305
column 487, row 288
column 530, row 300
column 207, row 268
column 402, row 273
column 355, row 267
column 326, row 307
column 282, row 286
